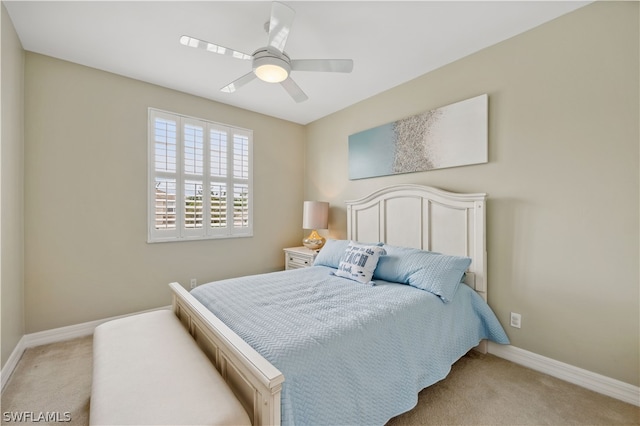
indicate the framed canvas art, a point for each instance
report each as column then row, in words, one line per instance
column 449, row 136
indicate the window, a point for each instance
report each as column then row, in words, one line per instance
column 200, row 179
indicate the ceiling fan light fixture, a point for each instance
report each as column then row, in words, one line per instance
column 270, row 63
column 271, row 69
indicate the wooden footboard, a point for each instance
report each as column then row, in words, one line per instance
column 253, row 379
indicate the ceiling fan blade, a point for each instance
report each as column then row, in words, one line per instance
column 280, row 25
column 232, row 87
column 324, row 65
column 211, row 47
column 294, row 90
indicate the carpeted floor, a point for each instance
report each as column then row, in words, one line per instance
column 53, row 378
column 480, row 390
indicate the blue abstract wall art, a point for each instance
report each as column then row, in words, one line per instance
column 449, row 136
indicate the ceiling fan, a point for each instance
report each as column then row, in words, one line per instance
column 271, row 63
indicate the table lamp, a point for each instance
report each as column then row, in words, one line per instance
column 315, row 215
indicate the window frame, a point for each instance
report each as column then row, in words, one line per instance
column 205, row 179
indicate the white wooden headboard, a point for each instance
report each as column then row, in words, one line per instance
column 425, row 218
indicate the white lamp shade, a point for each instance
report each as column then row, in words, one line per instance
column 271, row 69
column 271, row 73
column 315, row 215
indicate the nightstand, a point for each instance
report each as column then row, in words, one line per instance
column 298, row 257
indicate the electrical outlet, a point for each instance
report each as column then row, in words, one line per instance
column 194, row 283
column 516, row 320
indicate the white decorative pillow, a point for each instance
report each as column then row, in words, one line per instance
column 359, row 261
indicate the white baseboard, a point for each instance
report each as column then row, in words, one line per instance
column 578, row 376
column 73, row 331
column 52, row 336
column 12, row 362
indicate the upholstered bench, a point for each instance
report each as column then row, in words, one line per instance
column 148, row 370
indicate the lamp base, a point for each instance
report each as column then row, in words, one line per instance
column 314, row 241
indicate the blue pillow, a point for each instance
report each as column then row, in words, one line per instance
column 436, row 273
column 331, row 253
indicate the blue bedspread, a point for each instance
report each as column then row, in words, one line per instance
column 350, row 353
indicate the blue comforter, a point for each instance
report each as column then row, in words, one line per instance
column 350, row 353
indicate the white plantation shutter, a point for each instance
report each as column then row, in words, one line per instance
column 200, row 179
column 241, row 211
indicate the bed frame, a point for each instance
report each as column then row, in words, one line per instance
column 403, row 215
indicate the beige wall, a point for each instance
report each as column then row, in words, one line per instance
column 85, row 196
column 11, row 188
column 562, row 179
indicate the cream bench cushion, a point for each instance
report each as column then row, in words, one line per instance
column 148, row 370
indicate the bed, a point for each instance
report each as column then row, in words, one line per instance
column 313, row 346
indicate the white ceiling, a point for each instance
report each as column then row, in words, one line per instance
column 390, row 42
